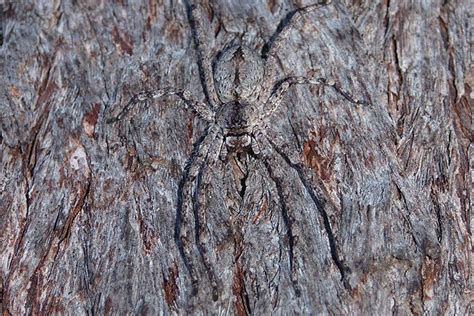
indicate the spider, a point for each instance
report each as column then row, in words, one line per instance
column 240, row 95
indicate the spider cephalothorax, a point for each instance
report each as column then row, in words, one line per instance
column 240, row 94
column 237, row 121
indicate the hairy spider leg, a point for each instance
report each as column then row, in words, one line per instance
column 268, row 161
column 195, row 17
column 185, row 194
column 200, row 108
column 273, row 45
column 281, row 88
column 318, row 195
column 199, row 199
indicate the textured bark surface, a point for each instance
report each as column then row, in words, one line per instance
column 88, row 209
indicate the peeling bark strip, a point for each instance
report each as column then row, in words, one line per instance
column 170, row 287
column 89, row 226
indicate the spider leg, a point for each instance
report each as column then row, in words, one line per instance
column 195, row 18
column 288, row 219
column 318, row 195
column 273, row 45
column 199, row 199
column 285, row 26
column 280, row 88
column 201, row 109
column 185, row 206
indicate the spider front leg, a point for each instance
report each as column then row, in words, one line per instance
column 201, row 109
column 196, row 17
column 186, row 200
column 276, row 41
column 281, row 88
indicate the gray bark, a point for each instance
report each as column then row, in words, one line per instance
column 88, row 209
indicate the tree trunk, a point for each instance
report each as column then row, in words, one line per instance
column 365, row 210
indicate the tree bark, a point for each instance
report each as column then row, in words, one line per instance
column 88, row 210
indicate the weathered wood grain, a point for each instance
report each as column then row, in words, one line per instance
column 88, row 209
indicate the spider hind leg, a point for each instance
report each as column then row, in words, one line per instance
column 319, row 199
column 203, row 184
column 269, row 160
column 288, row 220
column 185, row 206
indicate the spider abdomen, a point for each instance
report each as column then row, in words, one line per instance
column 238, row 75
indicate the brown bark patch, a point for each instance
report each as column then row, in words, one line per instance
column 90, row 119
column 261, row 210
column 238, row 284
column 45, row 92
column 108, row 306
column 14, row 92
column 123, row 42
column 429, row 274
column 238, row 290
column 151, row 17
column 170, row 287
column 190, row 130
column 315, row 161
column 147, row 235
column 173, row 31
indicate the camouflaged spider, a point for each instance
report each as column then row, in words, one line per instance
column 240, row 94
